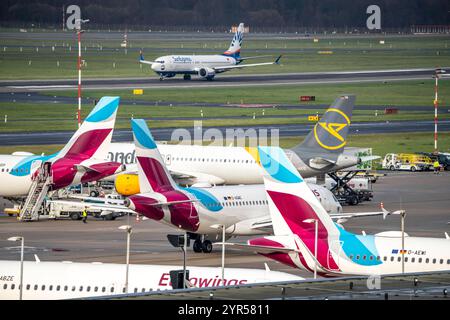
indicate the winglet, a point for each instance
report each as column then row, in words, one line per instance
column 141, row 56
column 267, row 267
column 447, row 236
column 37, row 258
column 277, row 61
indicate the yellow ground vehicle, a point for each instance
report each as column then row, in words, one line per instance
column 407, row 161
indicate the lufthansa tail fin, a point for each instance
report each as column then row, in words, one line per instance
column 329, row 135
column 235, row 47
column 153, row 174
column 93, row 138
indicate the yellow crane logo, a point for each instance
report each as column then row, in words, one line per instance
column 333, row 128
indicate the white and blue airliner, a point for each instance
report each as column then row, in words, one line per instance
column 205, row 66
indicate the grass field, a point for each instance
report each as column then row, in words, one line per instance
column 397, row 93
column 38, row 59
column 30, row 117
column 398, row 142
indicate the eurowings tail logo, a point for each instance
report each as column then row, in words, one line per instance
column 329, row 134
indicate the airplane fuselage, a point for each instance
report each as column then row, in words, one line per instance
column 66, row 280
column 170, row 66
column 240, row 208
column 17, row 172
column 217, row 164
column 378, row 254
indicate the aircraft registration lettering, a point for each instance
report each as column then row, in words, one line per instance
column 7, row 278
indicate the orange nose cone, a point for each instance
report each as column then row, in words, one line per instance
column 127, row 184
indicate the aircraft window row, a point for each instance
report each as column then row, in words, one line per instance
column 66, row 288
column 213, row 160
column 399, row 259
column 238, row 203
column 22, row 170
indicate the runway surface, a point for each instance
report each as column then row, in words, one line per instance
column 220, row 80
column 423, row 195
column 167, row 134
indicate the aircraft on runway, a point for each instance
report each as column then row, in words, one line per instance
column 205, row 66
column 201, row 212
column 320, row 152
column 67, row 280
column 295, row 211
column 83, row 158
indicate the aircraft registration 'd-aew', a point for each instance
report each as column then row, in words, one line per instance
column 70, row 280
column 299, row 219
column 205, row 66
column 83, row 158
column 320, row 152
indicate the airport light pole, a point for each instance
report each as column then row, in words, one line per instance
column 402, row 216
column 78, row 23
column 128, row 229
column 184, row 259
column 22, row 240
column 223, row 254
column 437, row 75
column 316, row 232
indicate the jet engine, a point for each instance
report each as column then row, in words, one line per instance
column 207, row 73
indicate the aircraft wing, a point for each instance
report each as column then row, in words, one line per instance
column 346, row 216
column 94, row 206
column 98, row 200
column 258, row 249
column 240, row 66
column 254, row 57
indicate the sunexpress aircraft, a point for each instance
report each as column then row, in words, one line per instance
column 295, row 211
column 205, row 66
column 83, row 158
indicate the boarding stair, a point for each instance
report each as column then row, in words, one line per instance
column 33, row 203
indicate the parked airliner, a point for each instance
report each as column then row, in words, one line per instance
column 70, row 280
column 83, row 158
column 320, row 152
column 295, row 211
column 202, row 212
column 205, row 66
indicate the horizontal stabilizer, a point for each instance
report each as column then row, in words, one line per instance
column 320, row 163
column 369, row 158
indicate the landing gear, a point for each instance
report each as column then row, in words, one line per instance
column 161, row 78
column 187, row 77
column 207, row 246
column 197, row 246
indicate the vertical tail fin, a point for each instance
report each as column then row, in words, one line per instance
column 330, row 133
column 153, row 174
column 93, row 138
column 291, row 202
column 235, row 47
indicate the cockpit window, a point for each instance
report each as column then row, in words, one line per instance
column 160, row 61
